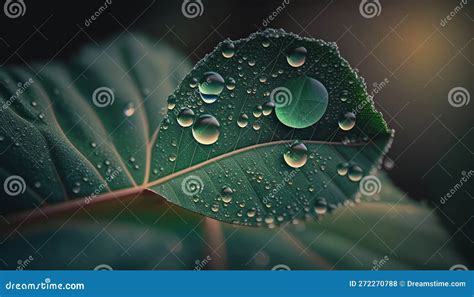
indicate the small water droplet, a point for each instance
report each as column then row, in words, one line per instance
column 320, row 206
column 297, row 56
column 257, row 111
column 185, row 117
column 211, row 86
column 230, row 85
column 268, row 108
column 193, row 83
column 227, row 194
column 206, row 129
column 342, row 168
column 251, row 212
column 296, row 155
column 355, row 173
column 228, row 49
column 243, row 120
column 347, row 121
column 266, row 43
column 171, row 102
column 129, row 110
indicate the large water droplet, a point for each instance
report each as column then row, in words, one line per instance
column 185, row 117
column 211, row 86
column 228, row 49
column 347, row 121
column 297, row 56
column 355, row 173
column 296, row 155
column 206, row 129
column 301, row 102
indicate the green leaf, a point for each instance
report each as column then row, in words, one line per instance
column 66, row 140
column 390, row 232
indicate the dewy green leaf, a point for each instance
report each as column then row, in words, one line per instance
column 263, row 130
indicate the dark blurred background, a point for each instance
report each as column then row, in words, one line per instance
column 411, row 53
